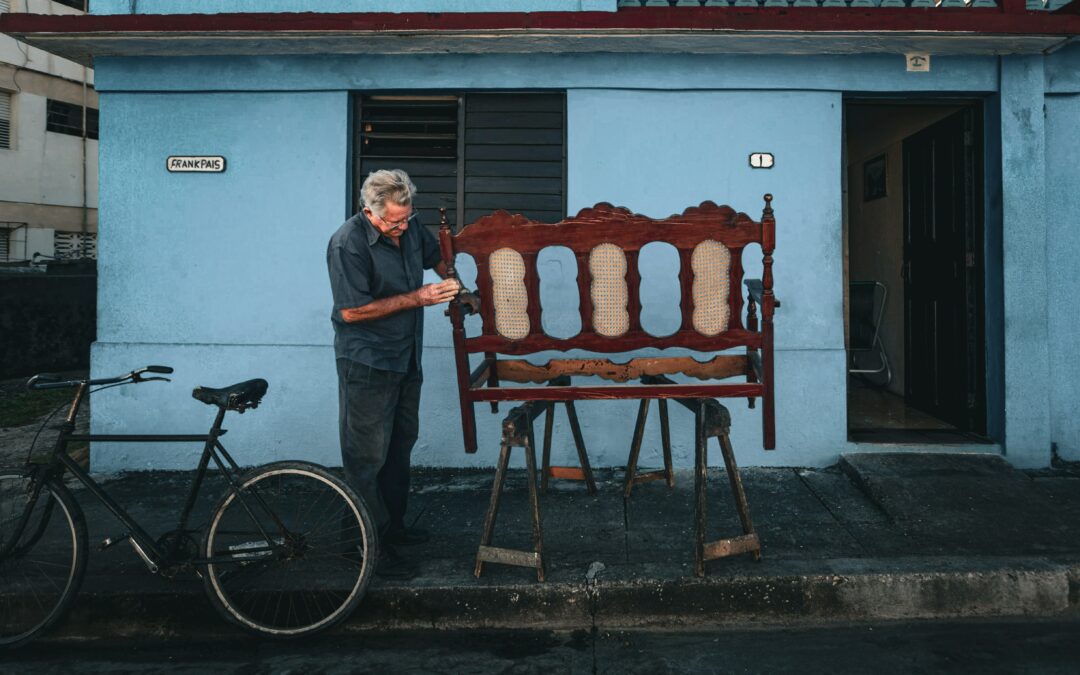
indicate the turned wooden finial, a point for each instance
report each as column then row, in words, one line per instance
column 768, row 204
column 444, row 234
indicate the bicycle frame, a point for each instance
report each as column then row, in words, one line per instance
column 144, row 543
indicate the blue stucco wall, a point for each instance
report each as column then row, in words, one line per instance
column 1063, row 233
column 874, row 73
column 653, row 154
column 220, row 6
column 223, row 276
column 1027, row 355
column 220, row 276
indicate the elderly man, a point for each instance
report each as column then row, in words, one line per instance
column 376, row 262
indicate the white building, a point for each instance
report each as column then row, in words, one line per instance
column 48, row 147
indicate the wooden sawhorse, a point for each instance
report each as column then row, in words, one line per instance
column 517, row 432
column 581, row 472
column 711, row 419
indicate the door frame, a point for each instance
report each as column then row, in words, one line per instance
column 985, row 230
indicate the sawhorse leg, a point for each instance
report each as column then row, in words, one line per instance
column 517, row 432
column 712, row 419
column 667, row 473
column 566, row 472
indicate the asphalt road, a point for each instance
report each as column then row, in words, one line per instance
column 953, row 647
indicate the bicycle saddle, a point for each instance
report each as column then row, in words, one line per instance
column 238, row 397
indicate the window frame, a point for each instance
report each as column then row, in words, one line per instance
column 458, row 220
column 81, row 4
column 11, row 140
column 92, row 119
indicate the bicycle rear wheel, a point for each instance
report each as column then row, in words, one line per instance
column 315, row 567
column 43, row 561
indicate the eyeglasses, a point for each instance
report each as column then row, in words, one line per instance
column 394, row 224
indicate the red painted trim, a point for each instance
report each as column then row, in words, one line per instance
column 1010, row 19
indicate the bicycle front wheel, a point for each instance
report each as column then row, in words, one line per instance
column 42, row 555
column 292, row 551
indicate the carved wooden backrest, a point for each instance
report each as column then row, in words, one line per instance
column 606, row 241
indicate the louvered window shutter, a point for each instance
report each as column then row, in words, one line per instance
column 514, row 155
column 471, row 154
column 417, row 134
column 5, row 118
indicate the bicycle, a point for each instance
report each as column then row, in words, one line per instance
column 288, row 550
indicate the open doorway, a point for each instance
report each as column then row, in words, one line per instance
column 914, row 272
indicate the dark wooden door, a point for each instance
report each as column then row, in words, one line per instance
column 943, row 369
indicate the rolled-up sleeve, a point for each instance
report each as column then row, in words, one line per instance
column 350, row 277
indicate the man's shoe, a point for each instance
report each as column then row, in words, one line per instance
column 406, row 536
column 392, row 566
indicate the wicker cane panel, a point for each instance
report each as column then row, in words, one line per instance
column 711, row 263
column 508, row 292
column 607, row 266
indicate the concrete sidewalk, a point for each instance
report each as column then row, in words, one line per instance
column 878, row 537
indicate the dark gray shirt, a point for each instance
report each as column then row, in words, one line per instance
column 365, row 265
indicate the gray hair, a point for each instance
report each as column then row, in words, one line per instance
column 385, row 185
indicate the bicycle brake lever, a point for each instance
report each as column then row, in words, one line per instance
column 151, row 379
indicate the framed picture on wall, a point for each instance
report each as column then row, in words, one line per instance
column 873, row 172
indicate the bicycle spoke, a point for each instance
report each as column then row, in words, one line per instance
column 313, row 578
column 43, row 567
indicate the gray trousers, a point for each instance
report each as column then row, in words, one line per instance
column 379, row 417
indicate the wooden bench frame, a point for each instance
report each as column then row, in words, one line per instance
column 607, row 224
column 600, row 224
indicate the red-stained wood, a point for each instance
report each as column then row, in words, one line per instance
column 633, row 290
column 487, row 301
column 532, row 290
column 461, row 356
column 607, row 224
column 484, row 372
column 735, row 303
column 686, row 290
column 768, row 244
column 584, row 283
column 628, row 341
column 717, row 368
column 1012, row 18
column 614, row 392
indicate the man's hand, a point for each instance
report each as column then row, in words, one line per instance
column 438, row 293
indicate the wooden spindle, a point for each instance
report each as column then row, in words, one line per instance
column 633, row 290
column 584, row 283
column 461, row 358
column 686, row 288
column 487, row 295
column 735, row 275
column 768, row 243
column 532, row 290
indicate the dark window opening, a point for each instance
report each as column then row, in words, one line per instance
column 77, row 4
column 469, row 153
column 5, row 119
column 67, row 118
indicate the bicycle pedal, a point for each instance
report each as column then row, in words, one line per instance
column 109, row 542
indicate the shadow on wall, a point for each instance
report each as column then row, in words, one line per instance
column 48, row 320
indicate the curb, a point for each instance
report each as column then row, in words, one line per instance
column 851, row 590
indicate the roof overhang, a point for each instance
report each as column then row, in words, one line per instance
column 760, row 30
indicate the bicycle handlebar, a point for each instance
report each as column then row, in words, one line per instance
column 53, row 381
